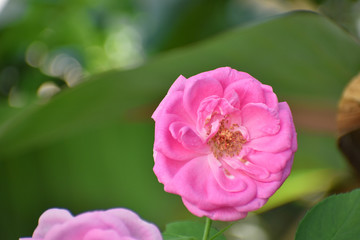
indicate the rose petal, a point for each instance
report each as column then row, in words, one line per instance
column 270, row 98
column 287, row 169
column 195, row 182
column 254, row 171
column 225, row 75
column 83, row 223
column 197, row 90
column 283, row 140
column 166, row 168
column 274, row 162
column 138, row 228
column 259, row 120
column 234, row 76
column 210, row 112
column 49, row 219
column 178, row 85
column 253, row 205
column 248, row 90
column 217, row 214
column 267, row 189
column 227, row 181
column 174, row 105
column 220, row 74
column 188, row 138
column 113, row 224
column 99, row 234
column 167, row 143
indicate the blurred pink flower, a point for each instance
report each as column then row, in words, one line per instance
column 113, row 224
column 223, row 143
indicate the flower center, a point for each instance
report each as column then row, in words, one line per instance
column 226, row 142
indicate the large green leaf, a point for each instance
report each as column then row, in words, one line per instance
column 302, row 55
column 91, row 146
column 336, row 218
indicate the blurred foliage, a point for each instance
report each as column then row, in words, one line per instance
column 90, row 146
column 346, row 13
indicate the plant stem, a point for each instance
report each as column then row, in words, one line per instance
column 207, row 229
column 221, row 231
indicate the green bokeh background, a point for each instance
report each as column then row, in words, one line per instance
column 90, row 145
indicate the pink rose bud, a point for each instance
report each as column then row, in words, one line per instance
column 223, row 143
column 113, row 224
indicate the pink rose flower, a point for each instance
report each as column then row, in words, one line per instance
column 113, row 224
column 223, row 143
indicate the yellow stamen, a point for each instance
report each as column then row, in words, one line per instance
column 226, row 142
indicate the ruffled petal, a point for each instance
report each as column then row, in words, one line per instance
column 178, row 86
column 188, row 179
column 166, row 168
column 259, row 120
column 197, row 90
column 188, row 138
column 225, row 75
column 113, row 224
column 50, row 219
column 248, row 90
column 210, row 112
column 218, row 214
column 274, row 162
column 224, row 177
column 267, row 189
column 138, row 228
column 174, row 105
column 256, row 172
column 79, row 226
column 285, row 139
column 234, row 76
column 220, row 74
column 195, row 182
column 271, row 99
column 253, row 205
column 166, row 140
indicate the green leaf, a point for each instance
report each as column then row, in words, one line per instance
column 302, row 55
column 301, row 183
column 336, row 218
column 187, row 230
